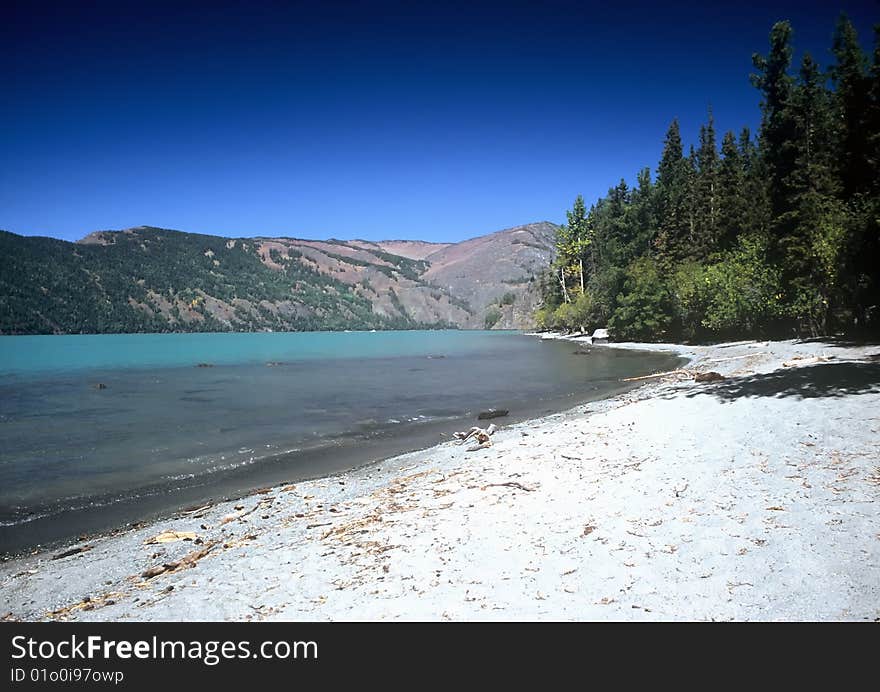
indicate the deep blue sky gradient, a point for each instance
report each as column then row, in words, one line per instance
column 437, row 121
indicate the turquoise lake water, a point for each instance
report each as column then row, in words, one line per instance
column 99, row 430
column 26, row 355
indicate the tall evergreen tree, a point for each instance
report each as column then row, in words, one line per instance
column 851, row 96
column 813, row 246
column 707, row 190
column 812, row 116
column 757, row 189
column 644, row 213
column 873, row 117
column 690, row 245
column 732, row 193
column 777, row 127
column 672, row 189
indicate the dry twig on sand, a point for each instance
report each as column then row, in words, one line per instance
column 509, row 484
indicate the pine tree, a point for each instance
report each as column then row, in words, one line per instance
column 813, row 247
column 672, row 182
column 872, row 120
column 732, row 195
column 707, row 190
column 644, row 213
column 689, row 246
column 777, row 128
column 811, row 113
column 757, row 214
column 851, row 96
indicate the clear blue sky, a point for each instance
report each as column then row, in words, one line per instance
column 438, row 121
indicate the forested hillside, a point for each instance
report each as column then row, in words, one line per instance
column 154, row 280
column 773, row 234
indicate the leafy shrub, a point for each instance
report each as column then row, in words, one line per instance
column 739, row 293
column 492, row 318
column 644, row 308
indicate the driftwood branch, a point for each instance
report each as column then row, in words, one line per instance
column 509, row 484
column 798, row 361
column 686, row 374
column 658, row 374
column 478, row 435
column 73, row 551
column 189, row 560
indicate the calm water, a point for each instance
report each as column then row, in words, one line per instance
column 163, row 432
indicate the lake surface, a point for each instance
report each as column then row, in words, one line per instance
column 97, row 431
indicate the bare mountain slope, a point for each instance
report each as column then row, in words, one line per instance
column 486, row 271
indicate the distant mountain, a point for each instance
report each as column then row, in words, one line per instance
column 157, row 280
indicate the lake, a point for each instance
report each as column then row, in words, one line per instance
column 100, row 430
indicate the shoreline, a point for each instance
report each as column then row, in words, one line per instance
column 51, row 525
column 534, row 527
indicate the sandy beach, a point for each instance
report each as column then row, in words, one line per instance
column 754, row 497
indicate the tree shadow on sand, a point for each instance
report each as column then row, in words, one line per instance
column 827, row 379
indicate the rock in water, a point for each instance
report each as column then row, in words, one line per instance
column 493, row 413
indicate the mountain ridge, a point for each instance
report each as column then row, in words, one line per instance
column 148, row 279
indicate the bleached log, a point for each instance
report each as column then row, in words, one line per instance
column 748, row 355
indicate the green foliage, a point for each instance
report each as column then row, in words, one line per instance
column 492, row 318
column 643, row 309
column 736, row 294
column 576, row 316
column 543, row 318
column 507, row 299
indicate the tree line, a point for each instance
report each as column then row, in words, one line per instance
column 776, row 234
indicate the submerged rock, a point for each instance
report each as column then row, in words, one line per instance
column 493, row 413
